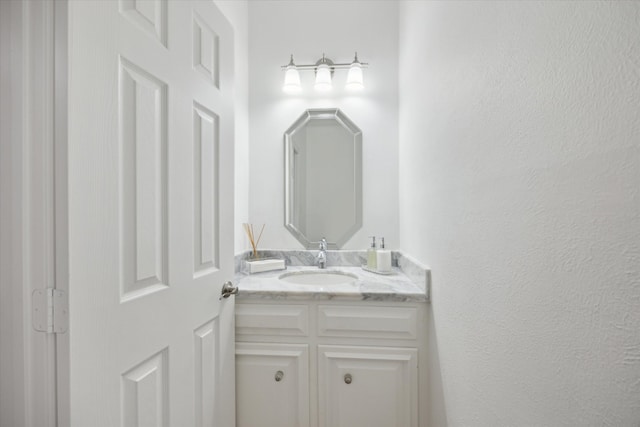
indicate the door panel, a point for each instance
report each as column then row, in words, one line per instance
column 205, row 179
column 143, row 164
column 144, row 393
column 207, row 373
column 150, row 213
column 148, row 15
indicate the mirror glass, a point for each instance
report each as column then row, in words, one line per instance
column 323, row 178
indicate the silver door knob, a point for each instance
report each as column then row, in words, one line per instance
column 348, row 379
column 279, row 376
column 228, row 289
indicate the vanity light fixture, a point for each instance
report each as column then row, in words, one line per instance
column 291, row 78
column 324, row 69
column 323, row 75
column 354, row 78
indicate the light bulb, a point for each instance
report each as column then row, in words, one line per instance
column 354, row 78
column 323, row 78
column 292, row 80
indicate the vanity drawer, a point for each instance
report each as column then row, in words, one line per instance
column 370, row 322
column 267, row 319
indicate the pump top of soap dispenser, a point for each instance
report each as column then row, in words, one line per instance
column 382, row 243
column 373, row 241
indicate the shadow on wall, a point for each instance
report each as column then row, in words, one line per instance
column 435, row 398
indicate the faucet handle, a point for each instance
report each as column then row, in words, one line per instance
column 323, row 244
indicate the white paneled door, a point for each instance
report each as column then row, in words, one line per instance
column 150, row 202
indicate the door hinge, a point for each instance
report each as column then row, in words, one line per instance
column 50, row 311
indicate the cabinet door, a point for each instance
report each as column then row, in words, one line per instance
column 272, row 385
column 368, row 386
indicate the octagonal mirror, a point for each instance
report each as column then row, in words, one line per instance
column 323, row 178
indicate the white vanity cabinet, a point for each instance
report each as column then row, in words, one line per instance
column 330, row 363
column 274, row 384
column 367, row 386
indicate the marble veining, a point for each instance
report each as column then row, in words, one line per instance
column 409, row 280
column 418, row 273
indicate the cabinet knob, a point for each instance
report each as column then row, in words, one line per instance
column 279, row 376
column 348, row 379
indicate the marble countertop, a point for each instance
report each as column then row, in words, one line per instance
column 368, row 287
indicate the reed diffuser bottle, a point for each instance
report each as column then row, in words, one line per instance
column 248, row 228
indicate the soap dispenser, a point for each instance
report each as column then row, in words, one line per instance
column 383, row 258
column 371, row 255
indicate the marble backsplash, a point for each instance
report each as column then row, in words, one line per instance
column 415, row 271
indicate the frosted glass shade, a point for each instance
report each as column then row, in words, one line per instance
column 354, row 78
column 323, row 78
column 292, row 80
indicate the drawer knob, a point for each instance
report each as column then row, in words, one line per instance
column 348, row 379
column 279, row 376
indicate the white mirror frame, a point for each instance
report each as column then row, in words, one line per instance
column 341, row 119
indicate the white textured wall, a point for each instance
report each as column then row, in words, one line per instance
column 307, row 29
column 520, row 177
column 237, row 12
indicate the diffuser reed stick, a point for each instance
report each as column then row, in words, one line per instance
column 248, row 228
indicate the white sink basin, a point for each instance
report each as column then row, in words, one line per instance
column 318, row 277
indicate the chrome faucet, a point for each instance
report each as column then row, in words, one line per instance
column 321, row 259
